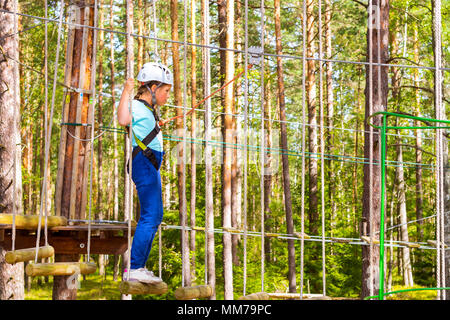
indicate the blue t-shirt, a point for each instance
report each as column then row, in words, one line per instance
column 143, row 123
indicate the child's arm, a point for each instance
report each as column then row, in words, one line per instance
column 123, row 112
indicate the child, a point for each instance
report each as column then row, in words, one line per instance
column 156, row 82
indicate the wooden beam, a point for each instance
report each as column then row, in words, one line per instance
column 31, row 222
column 256, row 296
column 70, row 244
column 196, row 292
column 135, row 287
column 28, row 254
column 60, row 268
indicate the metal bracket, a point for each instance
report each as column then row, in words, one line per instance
column 255, row 55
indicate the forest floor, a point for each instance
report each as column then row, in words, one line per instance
column 95, row 287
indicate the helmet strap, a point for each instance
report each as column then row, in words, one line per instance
column 153, row 93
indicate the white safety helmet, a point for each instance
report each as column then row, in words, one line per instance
column 152, row 71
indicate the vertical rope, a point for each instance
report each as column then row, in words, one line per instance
column 245, row 144
column 14, row 208
column 262, row 151
column 46, row 112
column 208, row 122
column 322, row 149
column 159, row 251
column 302, row 241
column 129, row 145
column 155, row 33
column 440, row 253
column 371, row 249
column 379, row 82
column 183, row 191
column 49, row 131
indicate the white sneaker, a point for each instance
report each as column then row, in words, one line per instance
column 141, row 275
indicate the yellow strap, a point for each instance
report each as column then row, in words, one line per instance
column 139, row 142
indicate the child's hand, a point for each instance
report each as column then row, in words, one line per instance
column 129, row 85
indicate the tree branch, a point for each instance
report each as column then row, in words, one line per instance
column 424, row 89
column 361, row 3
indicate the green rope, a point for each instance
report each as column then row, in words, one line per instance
column 384, row 127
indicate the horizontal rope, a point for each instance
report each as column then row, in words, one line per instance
column 226, row 49
column 353, row 241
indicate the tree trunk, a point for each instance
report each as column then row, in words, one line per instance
column 228, row 134
column 268, row 159
column 419, row 188
column 440, row 111
column 71, row 198
column 193, row 136
column 11, row 276
column 284, row 156
column 376, row 100
column 330, row 115
column 115, row 138
column 180, row 146
column 100, row 209
column 401, row 184
column 311, row 93
column 209, row 201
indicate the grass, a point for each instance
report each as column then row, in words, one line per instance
column 95, row 287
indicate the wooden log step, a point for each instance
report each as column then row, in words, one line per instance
column 60, row 268
column 231, row 230
column 367, row 240
column 31, row 222
column 136, row 287
column 195, row 292
column 271, row 235
column 410, row 244
column 434, row 243
column 341, row 240
column 256, row 296
column 28, row 254
column 299, row 235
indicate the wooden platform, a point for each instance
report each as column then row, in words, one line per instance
column 71, row 239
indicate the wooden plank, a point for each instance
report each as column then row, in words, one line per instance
column 28, row 254
column 101, row 227
column 31, row 222
column 70, row 244
column 256, row 296
column 195, row 292
column 60, row 268
column 135, row 287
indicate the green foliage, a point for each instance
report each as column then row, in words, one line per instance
column 343, row 168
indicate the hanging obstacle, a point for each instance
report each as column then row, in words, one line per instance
column 22, row 255
column 136, row 287
column 31, row 222
column 60, row 268
column 195, row 292
column 256, row 296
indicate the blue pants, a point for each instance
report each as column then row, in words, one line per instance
column 148, row 184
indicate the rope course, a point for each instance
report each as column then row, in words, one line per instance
column 253, row 57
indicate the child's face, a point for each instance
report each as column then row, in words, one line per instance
column 162, row 94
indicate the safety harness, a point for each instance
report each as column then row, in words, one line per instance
column 142, row 145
